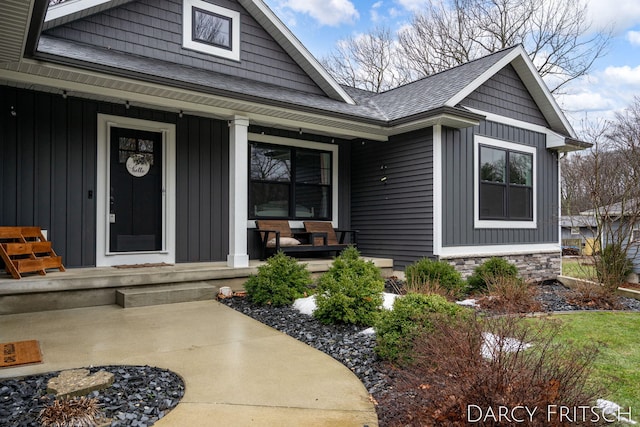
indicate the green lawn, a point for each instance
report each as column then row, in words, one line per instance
column 575, row 268
column 618, row 363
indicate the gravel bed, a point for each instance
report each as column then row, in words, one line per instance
column 139, row 396
column 553, row 297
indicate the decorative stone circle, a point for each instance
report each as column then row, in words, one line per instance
column 78, row 382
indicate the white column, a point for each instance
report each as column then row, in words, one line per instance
column 238, row 192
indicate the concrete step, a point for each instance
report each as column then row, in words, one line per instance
column 142, row 296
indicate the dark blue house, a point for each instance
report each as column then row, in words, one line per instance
column 141, row 131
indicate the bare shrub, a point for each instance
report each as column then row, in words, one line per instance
column 508, row 294
column 529, row 368
column 76, row 412
column 593, row 295
column 431, row 287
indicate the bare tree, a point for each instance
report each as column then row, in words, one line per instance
column 368, row 61
column 608, row 176
column 557, row 36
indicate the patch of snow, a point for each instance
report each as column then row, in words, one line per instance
column 468, row 302
column 305, row 305
column 493, row 345
column 368, row 331
column 389, row 299
column 308, row 305
column 611, row 408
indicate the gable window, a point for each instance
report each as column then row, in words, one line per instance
column 505, row 193
column 211, row 29
column 289, row 182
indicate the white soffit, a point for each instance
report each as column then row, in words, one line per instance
column 14, row 23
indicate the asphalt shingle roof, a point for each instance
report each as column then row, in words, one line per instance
column 414, row 98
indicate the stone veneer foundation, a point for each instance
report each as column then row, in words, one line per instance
column 533, row 267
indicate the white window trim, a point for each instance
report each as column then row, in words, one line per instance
column 187, row 29
column 167, row 253
column 477, row 222
column 333, row 148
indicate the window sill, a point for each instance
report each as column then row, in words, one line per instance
column 505, row 224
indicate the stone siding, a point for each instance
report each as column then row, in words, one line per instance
column 533, row 267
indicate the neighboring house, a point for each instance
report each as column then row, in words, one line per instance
column 141, row 131
column 580, row 231
column 620, row 223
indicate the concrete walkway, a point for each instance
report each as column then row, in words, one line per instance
column 237, row 371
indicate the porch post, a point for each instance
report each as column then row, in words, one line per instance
column 238, row 192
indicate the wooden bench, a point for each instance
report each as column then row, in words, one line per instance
column 276, row 235
column 25, row 250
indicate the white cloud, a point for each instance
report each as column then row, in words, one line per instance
column 413, row 5
column 624, row 76
column 375, row 15
column 622, row 14
column 600, row 95
column 326, row 12
column 634, row 37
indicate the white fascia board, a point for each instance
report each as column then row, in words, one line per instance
column 295, row 48
column 70, row 7
column 445, row 119
column 497, row 250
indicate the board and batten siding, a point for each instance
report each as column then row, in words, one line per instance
column 458, row 188
column 48, row 155
column 505, row 94
column 392, row 196
column 153, row 29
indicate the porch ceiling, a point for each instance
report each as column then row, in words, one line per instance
column 13, row 29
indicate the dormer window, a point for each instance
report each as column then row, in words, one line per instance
column 211, row 29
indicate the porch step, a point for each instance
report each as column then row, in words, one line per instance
column 142, row 296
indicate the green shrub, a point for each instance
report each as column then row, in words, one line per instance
column 613, row 266
column 278, row 282
column 490, row 270
column 412, row 315
column 350, row 292
column 427, row 271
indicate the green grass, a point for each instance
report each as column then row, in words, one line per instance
column 575, row 268
column 617, row 366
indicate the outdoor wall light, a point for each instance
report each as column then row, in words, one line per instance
column 127, row 105
column 383, row 179
column 300, row 131
column 64, row 94
column 13, row 111
column 181, row 113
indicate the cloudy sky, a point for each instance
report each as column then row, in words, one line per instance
column 610, row 87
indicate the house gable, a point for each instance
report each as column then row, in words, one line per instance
column 154, row 29
column 505, row 94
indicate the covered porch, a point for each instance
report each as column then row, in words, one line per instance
column 134, row 286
